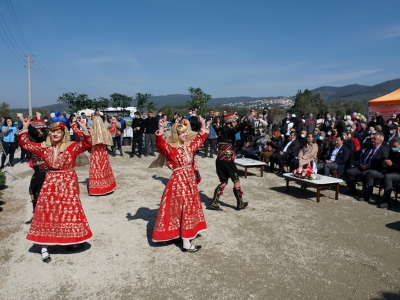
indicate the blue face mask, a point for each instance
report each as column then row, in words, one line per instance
column 395, row 149
column 391, row 131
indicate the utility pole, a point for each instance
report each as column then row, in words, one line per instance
column 29, row 85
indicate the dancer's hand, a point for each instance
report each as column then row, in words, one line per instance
column 38, row 115
column 202, row 122
column 26, row 122
column 81, row 122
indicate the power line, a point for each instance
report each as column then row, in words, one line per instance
column 51, row 81
column 10, row 48
column 17, row 25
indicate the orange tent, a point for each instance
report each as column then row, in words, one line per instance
column 390, row 99
column 386, row 105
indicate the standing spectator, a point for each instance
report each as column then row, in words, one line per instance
column 268, row 118
column 194, row 121
column 211, row 141
column 159, row 115
column 138, row 131
column 115, row 130
column 9, row 142
column 123, row 126
column 150, row 128
column 311, row 123
column 176, row 118
column 87, row 120
column 328, row 123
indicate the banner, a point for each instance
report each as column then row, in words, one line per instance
column 385, row 110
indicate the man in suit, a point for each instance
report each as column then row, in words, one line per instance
column 288, row 151
column 370, row 162
column 392, row 175
column 336, row 159
column 138, row 129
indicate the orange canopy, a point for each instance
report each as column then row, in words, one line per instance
column 392, row 98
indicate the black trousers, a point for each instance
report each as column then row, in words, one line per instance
column 277, row 158
column 137, row 139
column 212, row 144
column 9, row 149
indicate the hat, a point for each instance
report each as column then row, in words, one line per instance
column 229, row 118
column 38, row 124
column 293, row 116
column 378, row 128
column 57, row 126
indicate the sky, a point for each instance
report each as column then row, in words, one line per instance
column 227, row 48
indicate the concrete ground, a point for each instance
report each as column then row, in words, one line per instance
column 284, row 246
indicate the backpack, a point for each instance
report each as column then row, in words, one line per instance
column 284, row 128
column 356, row 143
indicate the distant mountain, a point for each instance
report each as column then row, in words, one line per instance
column 353, row 92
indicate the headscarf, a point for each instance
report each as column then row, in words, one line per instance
column 100, row 134
column 65, row 141
column 173, row 140
column 178, row 128
column 229, row 118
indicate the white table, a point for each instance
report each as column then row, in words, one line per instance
column 250, row 163
column 323, row 181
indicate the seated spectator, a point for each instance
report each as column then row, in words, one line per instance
column 258, row 146
column 308, row 153
column 370, row 160
column 302, row 138
column 393, row 132
column 324, row 147
column 288, row 151
column 348, row 143
column 273, row 146
column 336, row 159
column 392, row 168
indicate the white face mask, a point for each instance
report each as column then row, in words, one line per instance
column 303, row 135
column 321, row 138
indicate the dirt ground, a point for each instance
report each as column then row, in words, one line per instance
column 284, row 246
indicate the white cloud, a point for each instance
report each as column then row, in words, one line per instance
column 389, row 33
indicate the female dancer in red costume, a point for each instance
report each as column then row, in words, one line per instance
column 59, row 218
column 101, row 176
column 181, row 212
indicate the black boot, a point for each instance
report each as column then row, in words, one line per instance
column 34, row 206
column 238, row 194
column 217, row 193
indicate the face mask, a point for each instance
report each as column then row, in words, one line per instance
column 45, row 120
column 391, row 131
column 349, row 136
column 344, row 137
column 303, row 135
column 287, row 117
column 321, row 138
column 395, row 149
column 329, row 133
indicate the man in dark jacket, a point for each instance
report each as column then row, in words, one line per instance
column 336, row 159
column 370, row 163
column 392, row 167
column 324, row 147
column 194, row 121
column 138, row 129
column 288, row 151
column 150, row 128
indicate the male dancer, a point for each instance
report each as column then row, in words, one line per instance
column 37, row 133
column 225, row 165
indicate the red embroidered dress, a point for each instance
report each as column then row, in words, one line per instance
column 181, row 213
column 101, row 176
column 59, row 218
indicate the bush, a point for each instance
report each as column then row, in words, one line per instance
column 2, row 179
